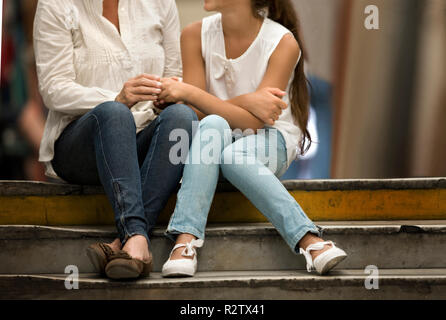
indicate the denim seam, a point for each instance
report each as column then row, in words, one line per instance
column 183, row 229
column 121, row 206
column 152, row 152
column 122, row 216
column 136, row 232
column 321, row 230
column 102, row 146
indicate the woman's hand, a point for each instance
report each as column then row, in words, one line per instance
column 266, row 104
column 145, row 87
column 172, row 91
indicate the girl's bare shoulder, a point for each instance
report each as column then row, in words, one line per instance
column 192, row 31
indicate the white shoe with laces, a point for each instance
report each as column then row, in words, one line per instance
column 327, row 260
column 183, row 267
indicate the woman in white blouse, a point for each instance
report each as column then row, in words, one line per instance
column 99, row 66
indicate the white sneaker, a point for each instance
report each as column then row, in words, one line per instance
column 327, row 260
column 183, row 267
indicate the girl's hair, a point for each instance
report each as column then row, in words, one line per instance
column 283, row 12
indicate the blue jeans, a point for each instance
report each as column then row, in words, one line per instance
column 102, row 147
column 252, row 164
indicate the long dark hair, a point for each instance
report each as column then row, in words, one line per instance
column 283, row 12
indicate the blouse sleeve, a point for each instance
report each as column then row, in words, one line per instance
column 171, row 41
column 54, row 51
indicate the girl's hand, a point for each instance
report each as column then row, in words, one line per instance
column 172, row 91
column 161, row 104
column 145, row 87
column 267, row 104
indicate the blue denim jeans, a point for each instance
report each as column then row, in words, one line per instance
column 252, row 164
column 102, row 147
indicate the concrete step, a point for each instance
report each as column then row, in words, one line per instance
column 248, row 247
column 52, row 204
column 235, row 285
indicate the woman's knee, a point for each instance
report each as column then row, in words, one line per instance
column 115, row 112
column 180, row 115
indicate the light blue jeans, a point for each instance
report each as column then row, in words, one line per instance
column 252, row 164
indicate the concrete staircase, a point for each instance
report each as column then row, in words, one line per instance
column 240, row 259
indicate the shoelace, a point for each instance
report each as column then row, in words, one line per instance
column 189, row 250
column 314, row 247
column 121, row 254
column 107, row 250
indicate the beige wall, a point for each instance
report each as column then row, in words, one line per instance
column 364, row 122
column 320, row 22
column 391, row 89
column 190, row 11
column 391, row 105
column 428, row 150
column 319, row 26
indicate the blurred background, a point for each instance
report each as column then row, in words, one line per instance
column 378, row 97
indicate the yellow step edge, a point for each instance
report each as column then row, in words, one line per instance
column 233, row 207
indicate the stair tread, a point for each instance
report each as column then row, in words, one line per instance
column 22, row 188
column 155, row 278
column 235, row 285
column 255, row 229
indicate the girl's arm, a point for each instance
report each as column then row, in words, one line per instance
column 193, row 88
column 194, row 83
column 266, row 101
column 266, row 104
column 282, row 63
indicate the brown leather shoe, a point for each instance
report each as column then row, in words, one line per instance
column 99, row 255
column 122, row 266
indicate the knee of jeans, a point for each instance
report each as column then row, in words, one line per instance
column 113, row 110
column 214, row 121
column 179, row 114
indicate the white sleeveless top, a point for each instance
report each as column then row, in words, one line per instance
column 230, row 78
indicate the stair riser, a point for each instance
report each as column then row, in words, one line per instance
column 334, row 205
column 236, row 252
column 419, row 289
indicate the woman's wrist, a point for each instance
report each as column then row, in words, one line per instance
column 119, row 98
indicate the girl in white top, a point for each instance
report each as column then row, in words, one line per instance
column 247, row 47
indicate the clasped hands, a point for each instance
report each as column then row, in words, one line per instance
column 147, row 87
column 265, row 103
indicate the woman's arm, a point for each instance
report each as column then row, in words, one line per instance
column 53, row 46
column 171, row 40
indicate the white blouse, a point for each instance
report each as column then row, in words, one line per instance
column 82, row 60
column 229, row 78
